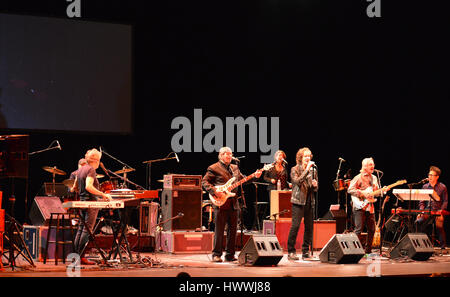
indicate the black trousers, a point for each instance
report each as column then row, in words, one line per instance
column 299, row 212
column 228, row 218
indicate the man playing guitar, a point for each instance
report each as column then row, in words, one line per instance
column 361, row 189
column 226, row 212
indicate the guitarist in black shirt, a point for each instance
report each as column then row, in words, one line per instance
column 226, row 206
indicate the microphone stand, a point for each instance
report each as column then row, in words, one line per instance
column 337, row 181
column 379, row 211
column 256, row 204
column 149, row 167
column 50, row 147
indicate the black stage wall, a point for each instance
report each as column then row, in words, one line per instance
column 339, row 82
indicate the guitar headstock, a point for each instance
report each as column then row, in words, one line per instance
column 268, row 166
column 401, row 182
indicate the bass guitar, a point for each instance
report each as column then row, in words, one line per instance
column 229, row 186
column 368, row 195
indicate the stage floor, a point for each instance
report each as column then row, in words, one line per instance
column 200, row 265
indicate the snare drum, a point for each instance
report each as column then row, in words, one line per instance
column 109, row 185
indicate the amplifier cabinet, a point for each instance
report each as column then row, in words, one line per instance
column 148, row 218
column 182, row 181
column 323, row 231
column 181, row 209
column 185, row 242
column 280, row 201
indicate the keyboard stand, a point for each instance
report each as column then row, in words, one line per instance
column 91, row 238
column 124, row 215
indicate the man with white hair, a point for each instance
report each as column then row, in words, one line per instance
column 227, row 214
column 362, row 187
column 88, row 185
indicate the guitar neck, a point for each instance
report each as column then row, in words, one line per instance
column 237, row 184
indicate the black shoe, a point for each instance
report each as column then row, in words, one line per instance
column 305, row 255
column 230, row 259
column 216, row 259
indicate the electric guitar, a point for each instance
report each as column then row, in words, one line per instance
column 229, row 186
column 364, row 201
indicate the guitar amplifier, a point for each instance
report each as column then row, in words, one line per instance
column 182, row 181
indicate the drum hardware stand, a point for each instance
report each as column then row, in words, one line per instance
column 126, row 168
column 149, row 167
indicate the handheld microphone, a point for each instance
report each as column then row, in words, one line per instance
column 284, row 161
column 59, row 146
column 176, row 156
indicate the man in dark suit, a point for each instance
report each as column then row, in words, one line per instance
column 227, row 214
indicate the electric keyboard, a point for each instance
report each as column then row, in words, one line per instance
column 402, row 211
column 415, row 194
column 94, row 204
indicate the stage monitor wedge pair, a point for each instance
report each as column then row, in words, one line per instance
column 416, row 246
column 261, row 250
column 342, row 249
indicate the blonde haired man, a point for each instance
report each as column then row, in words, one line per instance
column 88, row 185
column 365, row 217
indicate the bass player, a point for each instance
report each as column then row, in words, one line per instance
column 227, row 214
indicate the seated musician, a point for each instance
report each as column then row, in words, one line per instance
column 425, row 221
column 87, row 184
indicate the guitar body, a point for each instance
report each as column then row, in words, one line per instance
column 229, row 186
column 223, row 189
column 376, row 237
column 359, row 203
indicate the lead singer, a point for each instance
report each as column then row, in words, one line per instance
column 218, row 174
column 305, row 184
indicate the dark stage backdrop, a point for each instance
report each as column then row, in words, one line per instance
column 337, row 81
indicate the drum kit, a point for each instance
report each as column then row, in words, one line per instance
column 106, row 186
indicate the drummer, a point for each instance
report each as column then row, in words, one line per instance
column 73, row 175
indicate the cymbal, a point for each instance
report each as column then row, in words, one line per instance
column 99, row 176
column 68, row 182
column 54, row 170
column 126, row 170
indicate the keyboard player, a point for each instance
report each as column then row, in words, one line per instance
column 424, row 221
column 88, row 187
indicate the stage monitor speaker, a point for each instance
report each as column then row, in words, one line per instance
column 342, row 249
column 186, row 202
column 261, row 250
column 416, row 246
column 393, row 223
column 42, row 208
